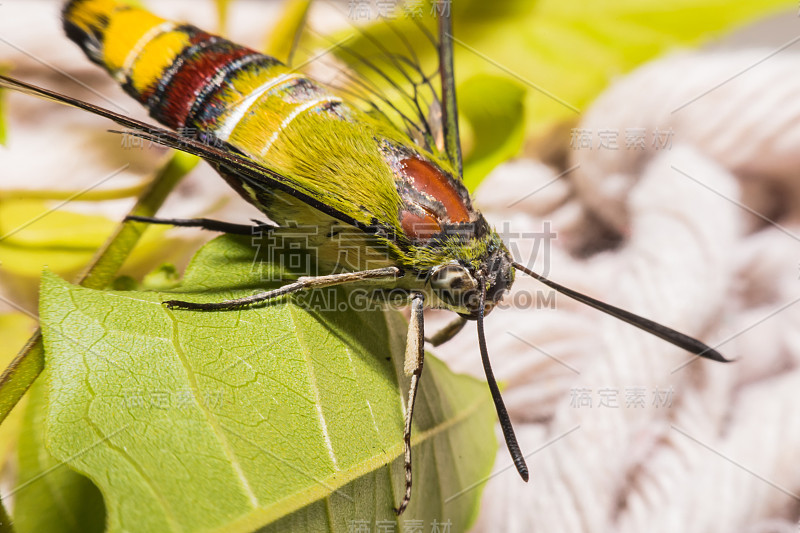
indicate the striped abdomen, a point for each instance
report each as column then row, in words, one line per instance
column 188, row 78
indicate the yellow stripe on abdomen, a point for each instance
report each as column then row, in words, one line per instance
column 187, row 77
column 128, row 30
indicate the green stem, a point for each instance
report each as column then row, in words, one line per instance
column 28, row 364
column 87, row 196
column 283, row 40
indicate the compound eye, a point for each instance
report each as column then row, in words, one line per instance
column 453, row 283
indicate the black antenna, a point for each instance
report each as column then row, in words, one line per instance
column 654, row 328
column 500, row 407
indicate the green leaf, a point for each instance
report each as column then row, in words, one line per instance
column 49, row 496
column 495, row 113
column 26, row 367
column 36, row 235
column 280, row 415
column 163, row 278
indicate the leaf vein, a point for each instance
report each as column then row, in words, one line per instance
column 212, row 420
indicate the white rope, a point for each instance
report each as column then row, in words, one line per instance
column 723, row 456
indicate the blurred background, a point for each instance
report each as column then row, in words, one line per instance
column 645, row 153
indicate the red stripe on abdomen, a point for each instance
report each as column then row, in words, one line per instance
column 190, row 81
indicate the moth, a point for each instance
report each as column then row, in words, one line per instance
column 305, row 154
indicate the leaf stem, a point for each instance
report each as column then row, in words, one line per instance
column 87, row 196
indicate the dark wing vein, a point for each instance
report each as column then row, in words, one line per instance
column 377, row 69
column 452, row 141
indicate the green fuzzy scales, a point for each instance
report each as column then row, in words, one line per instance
column 472, row 251
column 343, row 164
column 339, row 162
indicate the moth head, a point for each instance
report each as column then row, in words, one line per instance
column 458, row 286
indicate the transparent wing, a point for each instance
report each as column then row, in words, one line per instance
column 390, row 68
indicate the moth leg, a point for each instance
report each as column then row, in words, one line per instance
column 415, row 353
column 206, row 224
column 448, row 332
column 305, row 282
